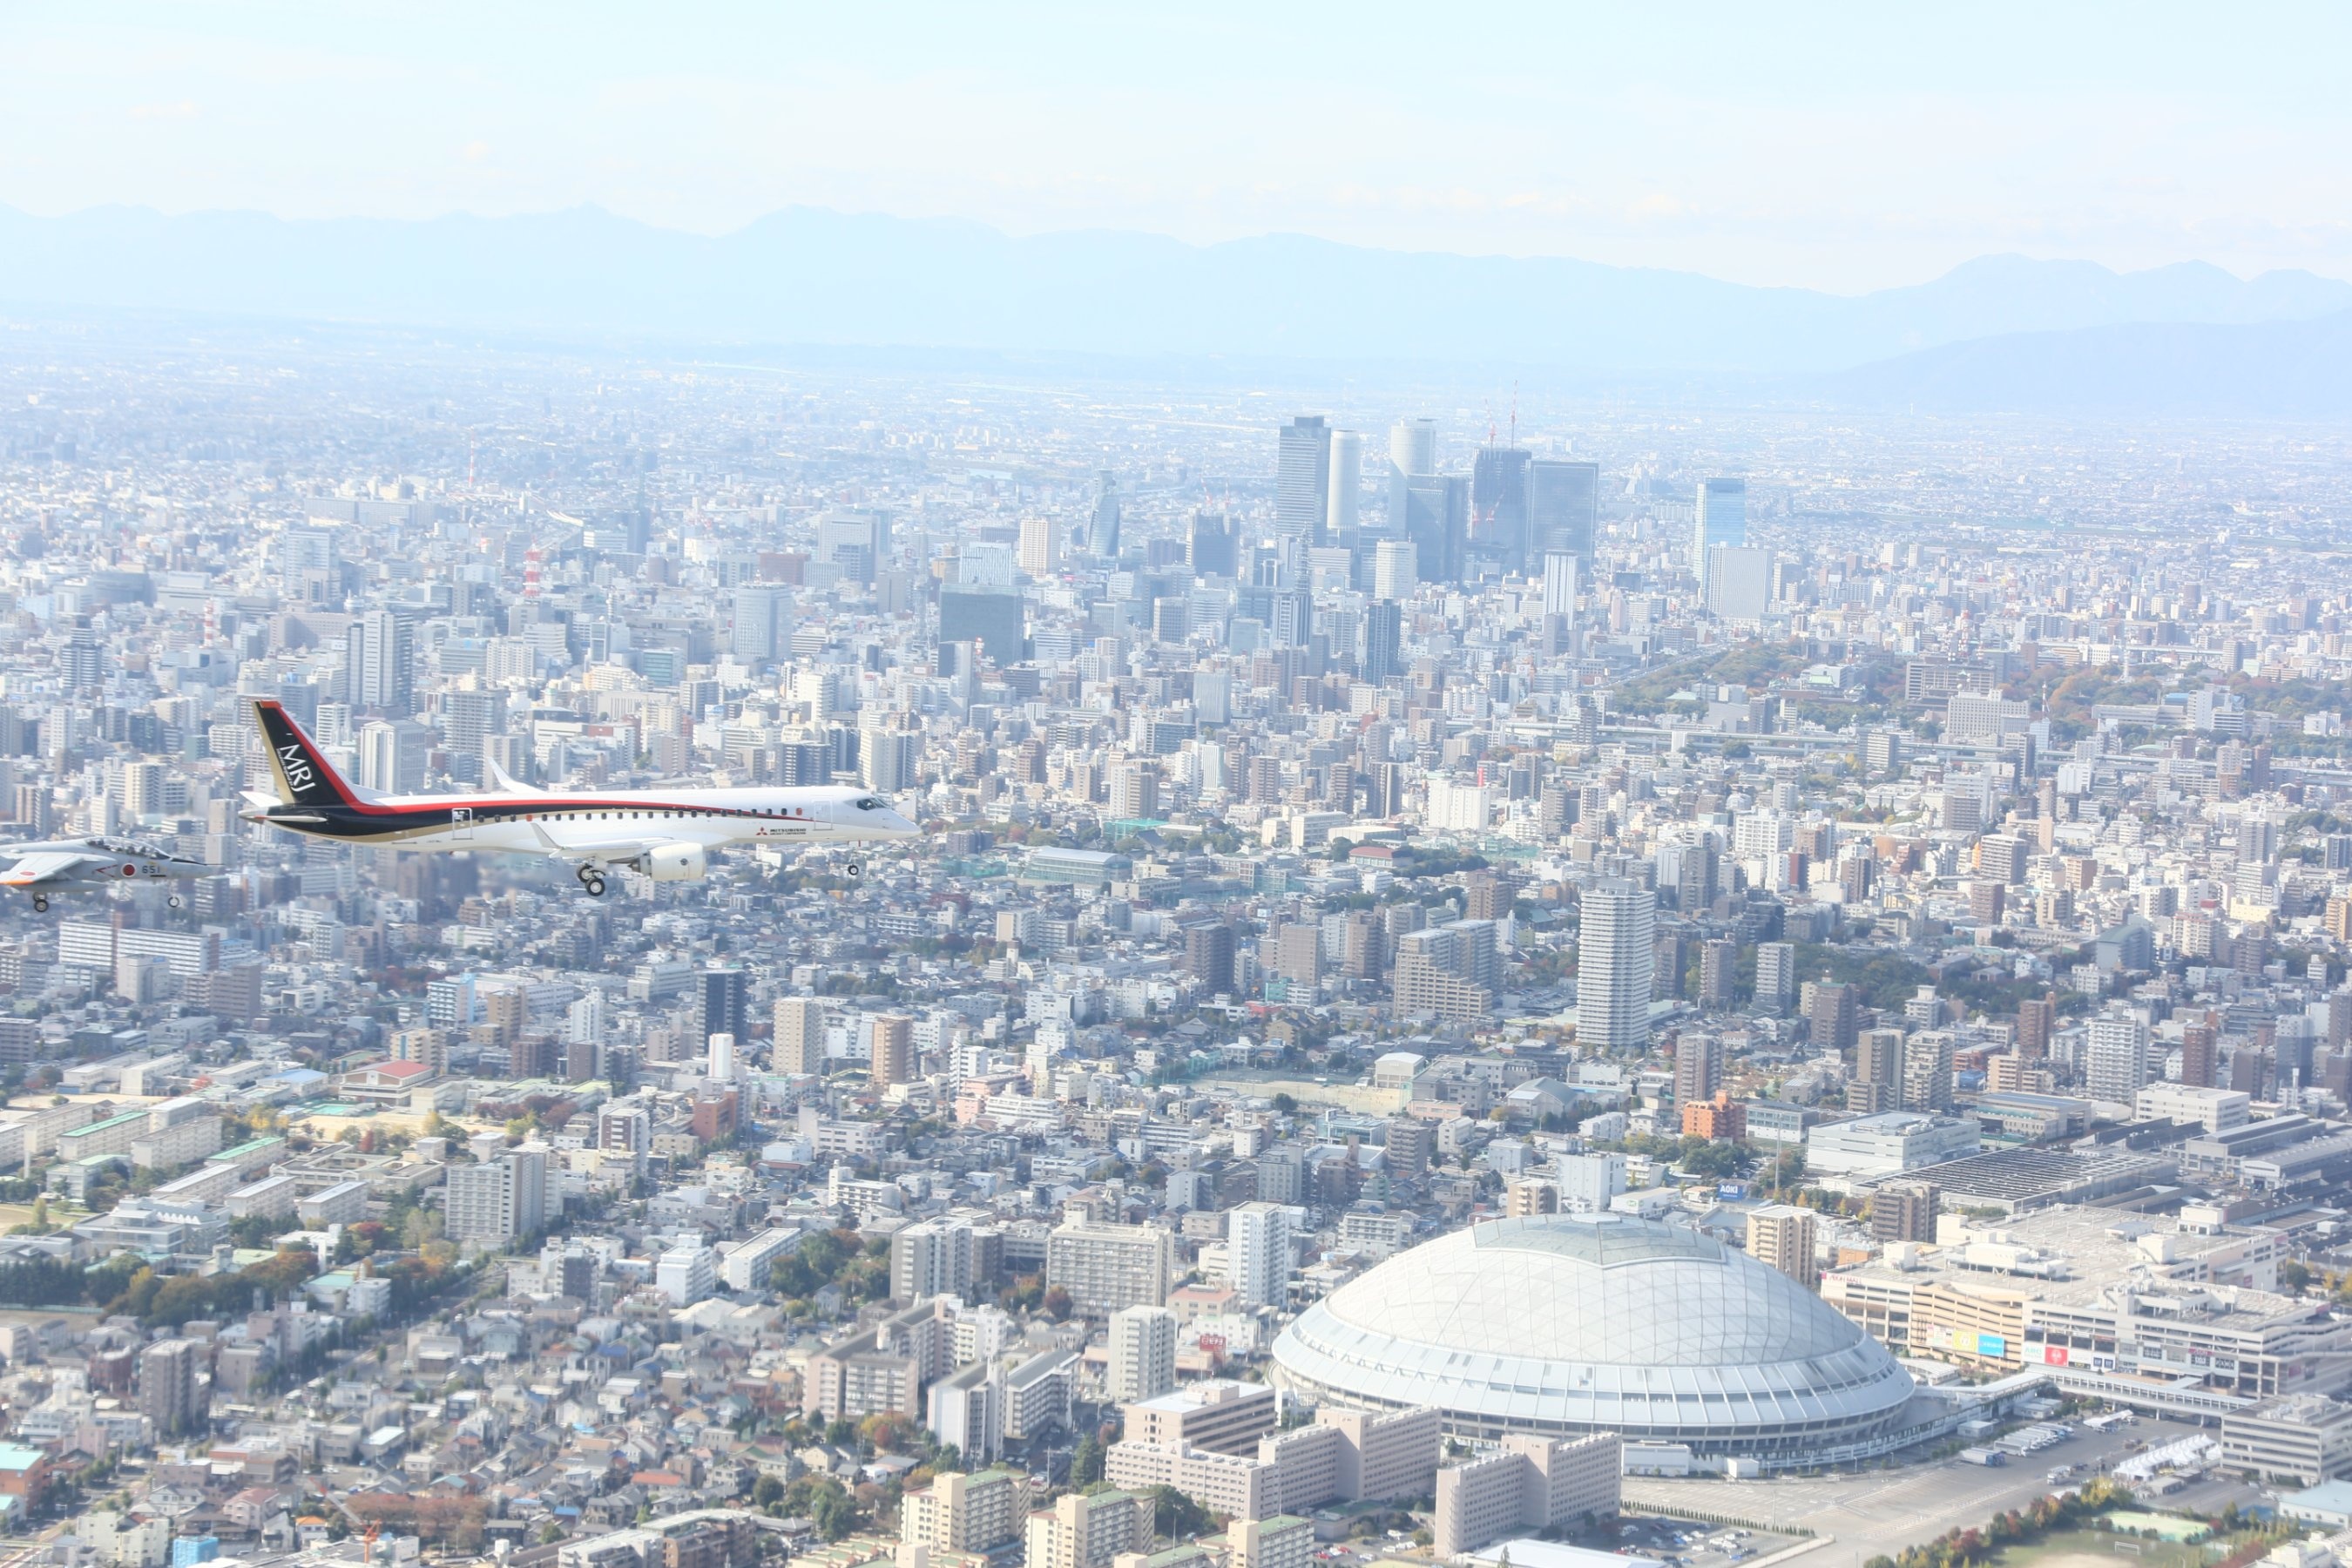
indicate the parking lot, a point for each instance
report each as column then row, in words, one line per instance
column 1686, row 1543
column 1879, row 1512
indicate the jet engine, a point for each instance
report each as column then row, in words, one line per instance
column 677, row 863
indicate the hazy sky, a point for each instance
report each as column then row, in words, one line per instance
column 1837, row 148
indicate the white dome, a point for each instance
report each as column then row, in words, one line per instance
column 1563, row 1324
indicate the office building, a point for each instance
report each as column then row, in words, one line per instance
column 725, row 1002
column 1383, row 658
column 1498, row 510
column 1560, row 571
column 469, row 718
column 1739, row 582
column 761, row 630
column 1412, row 454
column 1437, row 521
column 1563, row 507
column 1722, row 519
column 992, row 619
column 1393, row 573
column 1041, row 546
column 1346, row 486
column 1103, row 535
column 382, row 677
column 392, row 756
column 1302, row 479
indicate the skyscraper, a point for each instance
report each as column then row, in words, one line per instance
column 1040, row 545
column 1559, row 574
column 1437, row 520
column 2037, row 1018
column 1103, row 539
column 1211, row 545
column 1928, row 1071
column 1699, row 1069
column 1498, row 510
column 1412, row 448
column 1395, row 574
column 1302, row 479
column 1209, row 956
column 724, row 992
column 1614, row 963
column 2116, row 1069
column 1722, row 519
column 469, row 717
column 762, row 629
column 383, row 652
column 1563, row 506
column 1776, row 976
column 800, row 1034
column 167, row 1386
column 1257, row 1248
column 1739, row 582
column 1383, row 631
column 392, row 756
column 1347, row 485
column 894, row 1049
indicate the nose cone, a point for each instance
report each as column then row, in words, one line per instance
column 902, row 828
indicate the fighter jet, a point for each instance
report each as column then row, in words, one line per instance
column 52, row 866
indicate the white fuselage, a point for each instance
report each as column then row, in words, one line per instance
column 618, row 824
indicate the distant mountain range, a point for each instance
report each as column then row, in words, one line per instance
column 810, row 277
column 2300, row 370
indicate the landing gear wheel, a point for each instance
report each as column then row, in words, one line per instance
column 40, row 904
column 856, row 870
column 595, row 886
column 175, row 900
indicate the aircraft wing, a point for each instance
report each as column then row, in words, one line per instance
column 602, row 851
column 49, row 866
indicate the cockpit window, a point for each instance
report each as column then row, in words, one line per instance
column 869, row 804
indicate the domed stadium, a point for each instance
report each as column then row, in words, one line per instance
column 1563, row 1324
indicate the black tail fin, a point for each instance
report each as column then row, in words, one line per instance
column 303, row 775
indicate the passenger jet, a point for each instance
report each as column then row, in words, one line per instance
column 667, row 834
